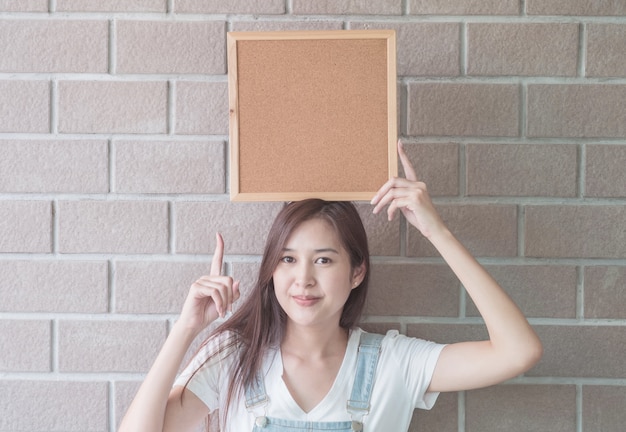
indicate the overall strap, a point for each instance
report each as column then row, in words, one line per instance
column 255, row 392
column 367, row 360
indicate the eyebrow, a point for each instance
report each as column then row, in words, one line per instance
column 322, row 250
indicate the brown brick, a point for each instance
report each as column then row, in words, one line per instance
column 112, row 107
column 155, row 287
column 24, row 6
column 604, row 171
column 25, row 106
column 54, row 166
column 463, row 109
column 380, row 328
column 111, row 5
column 464, row 7
column 605, row 293
column 521, row 408
column 448, row 333
column 113, row 226
column 581, row 351
column 538, row 290
column 437, row 165
column 484, row 230
column 169, row 167
column 575, row 7
column 606, row 52
column 54, row 286
column 603, row 408
column 522, row 49
column 443, row 417
column 247, row 273
column 575, row 231
column 522, row 169
column 25, row 226
column 571, row 110
column 244, row 226
column 413, row 290
column 18, row 356
column 62, row 406
column 230, row 6
column 383, row 236
column 201, row 108
column 54, row 46
column 171, row 47
column 125, row 392
column 415, row 57
column 109, row 346
column 309, row 24
column 336, row 7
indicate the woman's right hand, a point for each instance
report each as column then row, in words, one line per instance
column 211, row 296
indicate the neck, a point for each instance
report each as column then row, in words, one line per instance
column 314, row 342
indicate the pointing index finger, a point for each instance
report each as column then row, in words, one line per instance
column 409, row 171
column 218, row 255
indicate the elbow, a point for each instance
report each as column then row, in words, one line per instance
column 531, row 354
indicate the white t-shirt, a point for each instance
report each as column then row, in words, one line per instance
column 404, row 371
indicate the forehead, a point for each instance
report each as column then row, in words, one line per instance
column 314, row 233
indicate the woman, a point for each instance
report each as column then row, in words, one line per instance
column 292, row 358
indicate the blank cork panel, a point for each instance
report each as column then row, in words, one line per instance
column 312, row 114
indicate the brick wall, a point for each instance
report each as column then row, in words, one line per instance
column 113, row 136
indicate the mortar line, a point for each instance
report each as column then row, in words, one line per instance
column 112, row 288
column 582, row 170
column 54, row 351
column 579, row 408
column 112, row 165
column 580, row 292
column 111, row 406
column 463, row 50
column 54, row 228
column 582, row 50
column 461, row 411
column 112, row 47
column 171, row 107
column 53, row 128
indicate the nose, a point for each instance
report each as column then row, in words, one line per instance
column 304, row 275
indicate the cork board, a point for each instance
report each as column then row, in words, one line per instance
column 312, row 114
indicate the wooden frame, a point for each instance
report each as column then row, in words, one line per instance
column 312, row 114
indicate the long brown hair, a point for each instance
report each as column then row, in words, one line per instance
column 259, row 323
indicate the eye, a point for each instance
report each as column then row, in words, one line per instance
column 323, row 260
column 287, row 260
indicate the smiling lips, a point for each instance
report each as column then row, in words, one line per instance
column 305, row 300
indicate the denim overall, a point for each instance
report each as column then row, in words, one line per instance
column 358, row 405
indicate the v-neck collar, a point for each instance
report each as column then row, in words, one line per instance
column 338, row 384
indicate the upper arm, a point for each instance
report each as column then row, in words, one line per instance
column 184, row 410
column 470, row 365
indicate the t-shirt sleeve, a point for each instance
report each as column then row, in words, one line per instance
column 207, row 372
column 416, row 358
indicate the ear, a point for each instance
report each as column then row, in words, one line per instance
column 358, row 274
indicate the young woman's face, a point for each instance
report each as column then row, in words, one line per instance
column 314, row 277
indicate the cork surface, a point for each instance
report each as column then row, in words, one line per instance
column 312, row 117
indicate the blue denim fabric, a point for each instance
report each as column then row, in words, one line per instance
column 358, row 405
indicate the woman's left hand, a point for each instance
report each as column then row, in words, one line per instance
column 410, row 197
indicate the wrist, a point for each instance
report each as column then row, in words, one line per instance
column 184, row 332
column 441, row 234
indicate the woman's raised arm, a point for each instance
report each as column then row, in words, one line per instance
column 156, row 406
column 513, row 346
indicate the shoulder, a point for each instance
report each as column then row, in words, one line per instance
column 402, row 349
column 217, row 348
